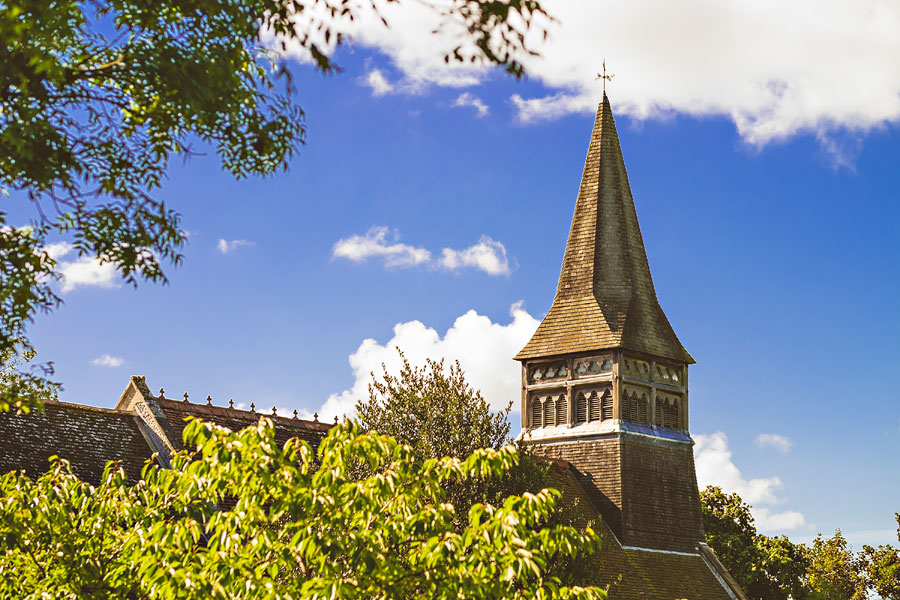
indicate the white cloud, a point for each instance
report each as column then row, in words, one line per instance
column 487, row 255
column 86, row 271
column 773, row 68
column 484, row 350
column 57, row 250
column 768, row 521
column 226, row 247
column 379, row 84
column 468, row 99
column 83, row 271
column 779, row 442
column 550, row 107
column 107, row 360
column 376, row 242
column 714, row 467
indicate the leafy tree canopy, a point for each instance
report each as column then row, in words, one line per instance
column 775, row 568
column 96, row 99
column 835, row 572
column 883, row 568
column 435, row 410
column 22, row 387
column 239, row 517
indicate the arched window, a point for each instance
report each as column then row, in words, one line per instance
column 675, row 420
column 606, row 406
column 549, row 411
column 562, row 410
column 537, row 419
column 580, row 408
column 594, row 406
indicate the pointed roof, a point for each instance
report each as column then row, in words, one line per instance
column 605, row 297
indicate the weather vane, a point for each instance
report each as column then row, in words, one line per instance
column 605, row 77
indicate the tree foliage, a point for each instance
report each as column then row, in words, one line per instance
column 435, row 410
column 239, row 517
column 883, row 568
column 97, row 98
column 835, row 572
column 21, row 387
column 775, row 568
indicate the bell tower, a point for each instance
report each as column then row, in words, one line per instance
column 605, row 378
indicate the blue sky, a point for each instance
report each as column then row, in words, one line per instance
column 771, row 223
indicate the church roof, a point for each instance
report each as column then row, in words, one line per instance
column 86, row 436
column 177, row 411
column 605, row 297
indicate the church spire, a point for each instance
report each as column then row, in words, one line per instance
column 605, row 298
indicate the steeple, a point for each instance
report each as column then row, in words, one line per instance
column 605, row 298
column 605, row 392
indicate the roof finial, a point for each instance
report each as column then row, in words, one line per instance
column 274, row 412
column 295, row 413
column 209, row 400
column 185, row 396
column 252, row 407
column 162, row 393
column 316, row 417
column 605, row 77
column 231, row 403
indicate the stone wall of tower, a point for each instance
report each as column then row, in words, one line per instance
column 598, row 466
column 660, row 501
column 645, row 489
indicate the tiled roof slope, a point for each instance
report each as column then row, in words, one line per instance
column 89, row 437
column 177, row 411
column 605, row 297
column 86, row 436
column 639, row 574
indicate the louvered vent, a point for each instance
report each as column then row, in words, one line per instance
column 562, row 409
column 549, row 411
column 606, row 406
column 594, row 407
column 580, row 408
column 676, row 421
column 631, row 406
column 536, row 413
column 642, row 409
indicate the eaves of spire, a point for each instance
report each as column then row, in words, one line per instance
column 605, row 297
